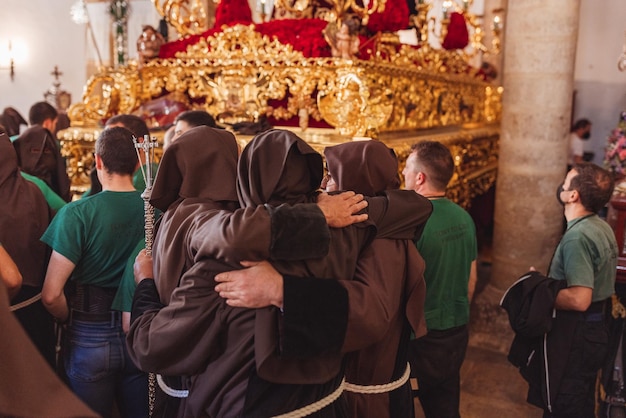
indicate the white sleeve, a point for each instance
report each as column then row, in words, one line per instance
column 577, row 147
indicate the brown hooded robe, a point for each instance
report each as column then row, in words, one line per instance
column 278, row 167
column 387, row 293
column 39, row 155
column 198, row 334
column 190, row 330
column 28, row 386
column 24, row 217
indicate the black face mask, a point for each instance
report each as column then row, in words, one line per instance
column 586, row 135
column 560, row 190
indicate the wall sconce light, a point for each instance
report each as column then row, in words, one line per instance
column 10, row 63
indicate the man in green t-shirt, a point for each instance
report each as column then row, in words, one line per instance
column 92, row 239
column 448, row 246
column 586, row 258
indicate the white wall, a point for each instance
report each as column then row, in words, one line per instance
column 49, row 37
column 43, row 35
column 600, row 86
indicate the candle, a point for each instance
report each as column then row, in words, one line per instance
column 262, row 7
column 496, row 23
column 445, row 6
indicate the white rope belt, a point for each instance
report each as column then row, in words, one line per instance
column 315, row 406
column 387, row 387
column 25, row 303
column 174, row 393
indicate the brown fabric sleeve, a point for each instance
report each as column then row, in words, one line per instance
column 285, row 232
column 399, row 214
column 298, row 232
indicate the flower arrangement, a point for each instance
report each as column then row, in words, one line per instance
column 615, row 150
column 393, row 18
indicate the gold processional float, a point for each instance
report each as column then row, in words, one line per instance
column 399, row 95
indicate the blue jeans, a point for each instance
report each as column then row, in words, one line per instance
column 100, row 371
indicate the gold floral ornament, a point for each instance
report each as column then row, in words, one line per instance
column 355, row 104
column 343, row 101
column 188, row 17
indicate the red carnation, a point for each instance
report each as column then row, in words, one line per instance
column 395, row 17
column 458, row 36
column 231, row 12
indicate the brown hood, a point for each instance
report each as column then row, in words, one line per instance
column 210, row 151
column 197, row 175
column 367, row 167
column 278, row 167
column 24, row 216
column 38, row 154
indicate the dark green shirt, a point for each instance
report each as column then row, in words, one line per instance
column 448, row 246
column 98, row 234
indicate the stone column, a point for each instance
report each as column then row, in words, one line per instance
column 538, row 86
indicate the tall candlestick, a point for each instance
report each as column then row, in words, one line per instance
column 496, row 23
column 445, row 6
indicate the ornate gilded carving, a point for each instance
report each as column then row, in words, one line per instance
column 239, row 74
column 108, row 93
column 238, row 71
column 188, row 17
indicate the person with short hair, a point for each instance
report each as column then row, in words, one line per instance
column 448, row 246
column 44, row 114
column 586, row 257
column 91, row 240
column 190, row 119
column 578, row 134
column 139, row 128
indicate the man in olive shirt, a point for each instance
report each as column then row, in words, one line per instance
column 586, row 258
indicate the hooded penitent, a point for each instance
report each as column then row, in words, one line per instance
column 24, row 216
column 38, row 154
column 278, row 167
column 200, row 155
column 388, row 292
column 233, row 354
column 367, row 167
column 199, row 168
